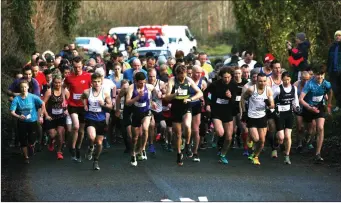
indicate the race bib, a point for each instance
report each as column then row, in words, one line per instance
column 238, row 98
column 28, row 116
column 222, row 101
column 317, row 98
column 182, row 92
column 165, row 108
column 95, row 107
column 77, row 96
column 282, row 108
column 260, row 108
column 57, row 111
column 138, row 104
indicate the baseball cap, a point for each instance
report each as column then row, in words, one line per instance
column 268, row 58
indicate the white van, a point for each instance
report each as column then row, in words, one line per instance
column 179, row 38
column 122, row 32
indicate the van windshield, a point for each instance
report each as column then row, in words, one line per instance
column 82, row 41
column 172, row 40
column 121, row 37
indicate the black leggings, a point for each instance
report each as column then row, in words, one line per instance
column 27, row 133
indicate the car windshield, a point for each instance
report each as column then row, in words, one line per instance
column 166, row 53
column 82, row 41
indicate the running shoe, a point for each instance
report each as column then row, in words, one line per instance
column 203, row 146
column 144, row 155
column 196, row 158
column 139, row 157
column 96, row 166
column 310, row 146
column 73, row 154
column 255, row 161
column 78, row 156
column 106, row 144
column 90, row 153
column 158, row 137
column 170, row 148
column 179, row 159
column 274, row 154
column 26, row 160
column 223, row 159
column 287, row 160
column 50, row 147
column 151, row 149
column 133, row 161
column 214, row 145
column 219, row 151
column 45, row 140
column 189, row 152
column 251, row 156
column 336, row 109
column 249, row 143
column 246, row 153
column 318, row 159
column 60, row 156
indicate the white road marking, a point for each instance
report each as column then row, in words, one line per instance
column 185, row 199
column 203, row 199
column 166, row 200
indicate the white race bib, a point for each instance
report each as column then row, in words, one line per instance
column 138, row 104
column 95, row 107
column 57, row 111
column 77, row 96
column 282, row 108
column 182, row 92
column 317, row 98
column 165, row 108
column 238, row 98
column 222, row 101
column 28, row 116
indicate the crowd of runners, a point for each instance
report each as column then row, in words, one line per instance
column 174, row 101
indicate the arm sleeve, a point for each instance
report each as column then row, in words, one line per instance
column 38, row 102
column 296, row 102
column 14, row 104
column 36, row 88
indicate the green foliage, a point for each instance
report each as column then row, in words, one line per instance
column 265, row 26
column 215, row 50
column 21, row 21
column 69, row 15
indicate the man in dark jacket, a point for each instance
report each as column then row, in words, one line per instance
column 159, row 41
column 334, row 68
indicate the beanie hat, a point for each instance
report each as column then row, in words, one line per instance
column 161, row 60
column 338, row 32
column 300, row 36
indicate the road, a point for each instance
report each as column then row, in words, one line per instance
column 159, row 178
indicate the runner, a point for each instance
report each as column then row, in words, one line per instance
column 76, row 83
column 27, row 108
column 196, row 109
column 156, row 107
column 312, row 97
column 55, row 114
column 179, row 95
column 273, row 81
column 237, row 77
column 305, row 77
column 139, row 95
column 259, row 97
column 223, row 94
column 286, row 100
column 96, row 100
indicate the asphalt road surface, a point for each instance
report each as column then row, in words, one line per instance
column 159, row 178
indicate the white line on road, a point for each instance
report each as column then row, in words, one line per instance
column 203, row 199
column 185, row 199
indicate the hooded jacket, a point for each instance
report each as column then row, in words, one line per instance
column 334, row 65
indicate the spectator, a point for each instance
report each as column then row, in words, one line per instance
column 298, row 56
column 248, row 59
column 234, row 52
column 33, row 85
column 159, row 41
column 334, row 68
column 65, row 49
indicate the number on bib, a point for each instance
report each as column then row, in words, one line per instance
column 57, row 111
column 317, row 98
column 282, row 108
column 222, row 101
column 77, row 96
